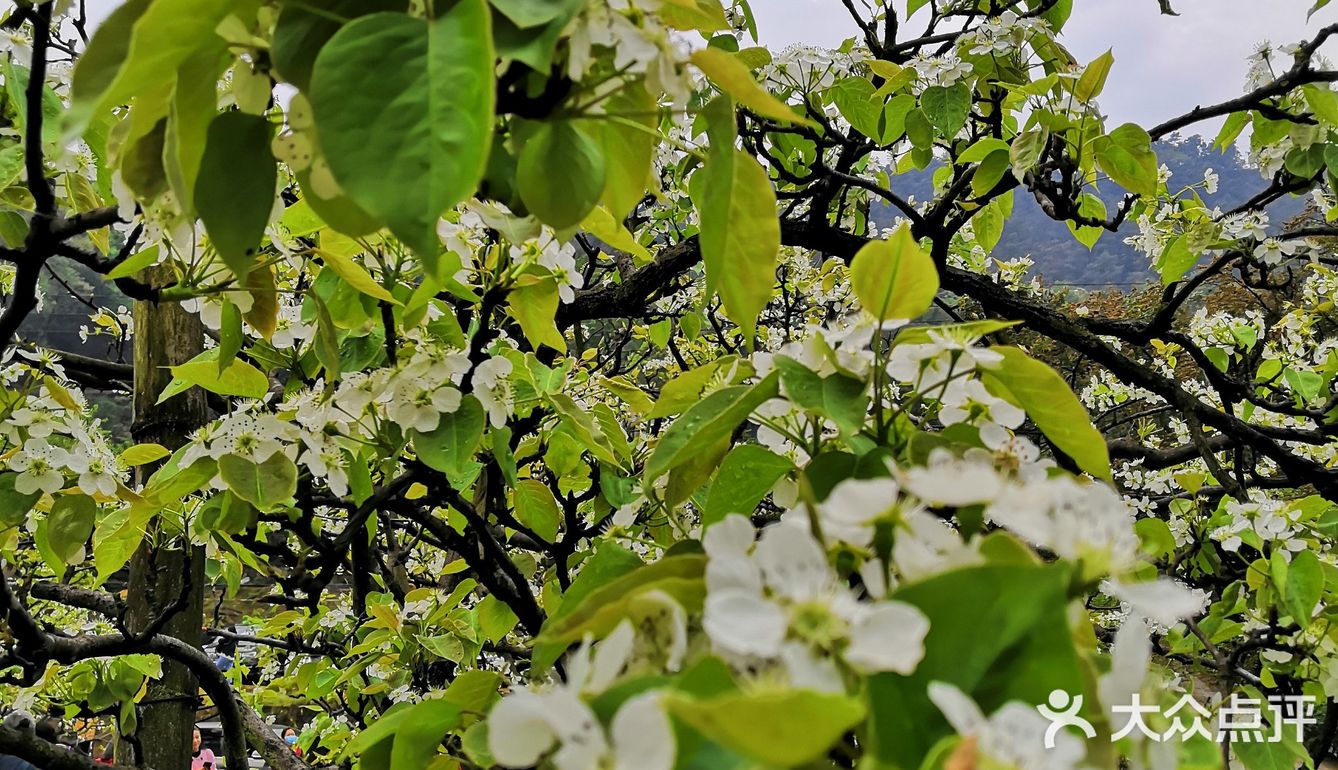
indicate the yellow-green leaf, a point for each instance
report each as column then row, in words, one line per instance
column 142, row 454
column 534, row 305
column 1050, row 403
column 355, row 275
column 740, row 233
column 732, row 77
column 1093, row 78
column 895, row 278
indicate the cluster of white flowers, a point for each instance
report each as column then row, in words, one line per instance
column 118, row 324
column 1003, row 34
column 645, row 49
column 812, row 68
column 1264, row 521
column 50, row 444
column 776, row 600
column 945, row 70
column 556, row 722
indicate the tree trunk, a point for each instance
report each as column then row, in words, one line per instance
column 166, row 572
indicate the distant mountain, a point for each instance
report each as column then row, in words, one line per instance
column 1060, row 259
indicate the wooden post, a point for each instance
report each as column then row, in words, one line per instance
column 166, row 570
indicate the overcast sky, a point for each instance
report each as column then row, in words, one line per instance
column 1163, row 65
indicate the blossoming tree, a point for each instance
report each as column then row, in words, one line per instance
column 543, row 366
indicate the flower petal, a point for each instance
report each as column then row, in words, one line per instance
column 732, row 535
column 889, row 636
column 1163, row 601
column 744, row 624
column 793, row 562
column 642, row 736
column 518, row 730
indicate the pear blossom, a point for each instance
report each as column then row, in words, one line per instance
column 1076, row 520
column 1271, row 251
column 97, row 471
column 1163, row 601
column 492, row 388
column 526, row 725
column 39, row 465
column 1012, row 737
column 948, row 480
column 853, row 506
column 759, row 597
column 418, row 403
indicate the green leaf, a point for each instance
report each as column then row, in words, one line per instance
column 53, row 109
column 534, row 305
column 431, row 84
column 895, row 278
column 982, row 150
column 745, row 477
column 989, row 172
column 1323, row 102
column 495, row 618
column 537, row 509
column 355, row 275
column 779, row 729
column 686, row 388
column 599, row 612
column 1093, row 78
column 1286, row 754
column 534, row 13
column 235, row 190
column 988, row 223
column 143, row 454
column 238, row 379
column 265, row 485
column 1231, row 130
column 1126, row 156
column 947, row 107
column 230, row 335
column 14, row 505
column 117, row 536
column 609, row 562
column 407, row 738
column 134, row 263
column 731, row 75
column 1176, row 260
column 740, row 233
column 561, row 173
column 451, row 446
column 703, row 426
column 1304, row 586
column 1047, row 399
column 1026, row 150
column 302, row 29
column 1027, row 652
column 1090, row 206
column 327, row 341
column 631, row 395
column 69, row 525
column 702, row 15
column 11, row 164
column 630, row 151
column 841, row 398
column 866, row 111
column 191, row 111
column 601, row 224
column 140, row 46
